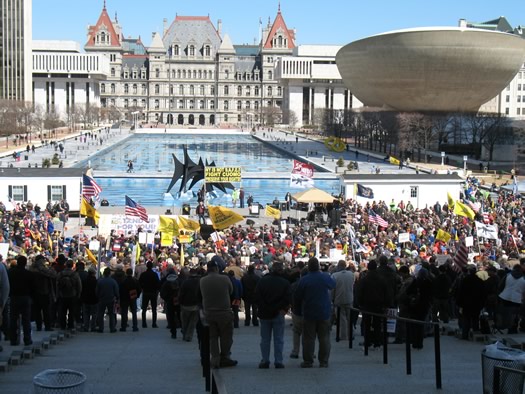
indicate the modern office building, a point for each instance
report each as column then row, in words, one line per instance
column 65, row 81
column 511, row 101
column 311, row 83
column 15, row 49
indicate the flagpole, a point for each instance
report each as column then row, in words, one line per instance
column 79, row 210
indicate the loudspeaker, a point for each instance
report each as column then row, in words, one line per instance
column 206, row 231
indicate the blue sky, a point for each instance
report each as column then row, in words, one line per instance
column 335, row 22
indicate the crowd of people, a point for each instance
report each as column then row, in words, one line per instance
column 270, row 273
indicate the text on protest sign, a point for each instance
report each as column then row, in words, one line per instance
column 222, row 174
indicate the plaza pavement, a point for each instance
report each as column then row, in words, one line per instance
column 149, row 361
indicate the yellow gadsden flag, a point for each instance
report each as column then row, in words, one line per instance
column 88, row 210
column 273, row 212
column 442, row 235
column 168, row 225
column 91, row 257
column 188, row 224
column 223, row 217
column 461, row 209
column 394, row 161
column 450, row 201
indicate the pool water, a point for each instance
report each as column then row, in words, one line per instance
column 263, row 190
column 153, row 153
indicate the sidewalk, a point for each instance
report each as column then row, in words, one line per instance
column 149, row 361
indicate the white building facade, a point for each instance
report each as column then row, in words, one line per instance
column 40, row 185
column 311, row 82
column 65, row 80
column 422, row 190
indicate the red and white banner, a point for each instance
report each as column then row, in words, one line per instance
column 302, row 175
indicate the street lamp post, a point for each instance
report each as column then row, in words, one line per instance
column 465, row 158
column 442, row 159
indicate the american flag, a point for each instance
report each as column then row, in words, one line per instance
column 375, row 218
column 90, row 188
column 461, row 258
column 134, row 209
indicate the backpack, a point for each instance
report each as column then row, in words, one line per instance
column 66, row 286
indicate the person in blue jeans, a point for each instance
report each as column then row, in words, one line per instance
column 312, row 300
column 273, row 296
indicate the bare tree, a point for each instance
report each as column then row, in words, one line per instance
column 497, row 131
column 271, row 115
column 290, row 117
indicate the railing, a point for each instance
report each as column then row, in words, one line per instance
column 408, row 322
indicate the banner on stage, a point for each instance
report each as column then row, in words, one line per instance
column 222, row 174
column 123, row 224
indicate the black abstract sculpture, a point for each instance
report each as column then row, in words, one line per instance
column 191, row 172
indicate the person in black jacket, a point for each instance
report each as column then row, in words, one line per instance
column 150, row 283
column 441, row 295
column 44, row 276
column 419, row 294
column 471, row 299
column 249, row 284
column 89, row 300
column 169, row 292
column 274, row 296
column 21, row 282
column 372, row 296
column 129, row 292
column 189, row 303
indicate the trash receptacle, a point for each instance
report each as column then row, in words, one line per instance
column 59, row 381
column 500, row 355
column 186, row 209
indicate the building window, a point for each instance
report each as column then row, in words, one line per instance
column 57, row 193
column 279, row 91
column 269, row 91
column 192, row 104
column 200, row 74
column 201, row 104
column 519, row 86
column 143, row 88
column 226, row 117
column 248, row 90
column 207, row 50
column 212, row 90
column 180, row 104
column 134, row 103
column 178, row 74
column 413, row 191
column 192, row 90
column 126, row 103
column 112, row 71
column 181, row 89
column 212, row 104
column 226, row 105
column 256, row 91
column 112, row 102
column 126, row 88
column 226, row 90
column 202, row 90
column 226, row 74
column 157, row 104
column 194, row 74
column 239, row 118
column 103, row 88
column 157, row 89
column 270, row 74
column 507, row 111
column 176, row 50
column 112, row 88
column 143, row 103
column 518, row 111
column 256, row 105
column 519, row 99
column 17, row 193
column 192, row 50
column 239, row 105
column 239, row 90
column 247, row 105
column 507, row 98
